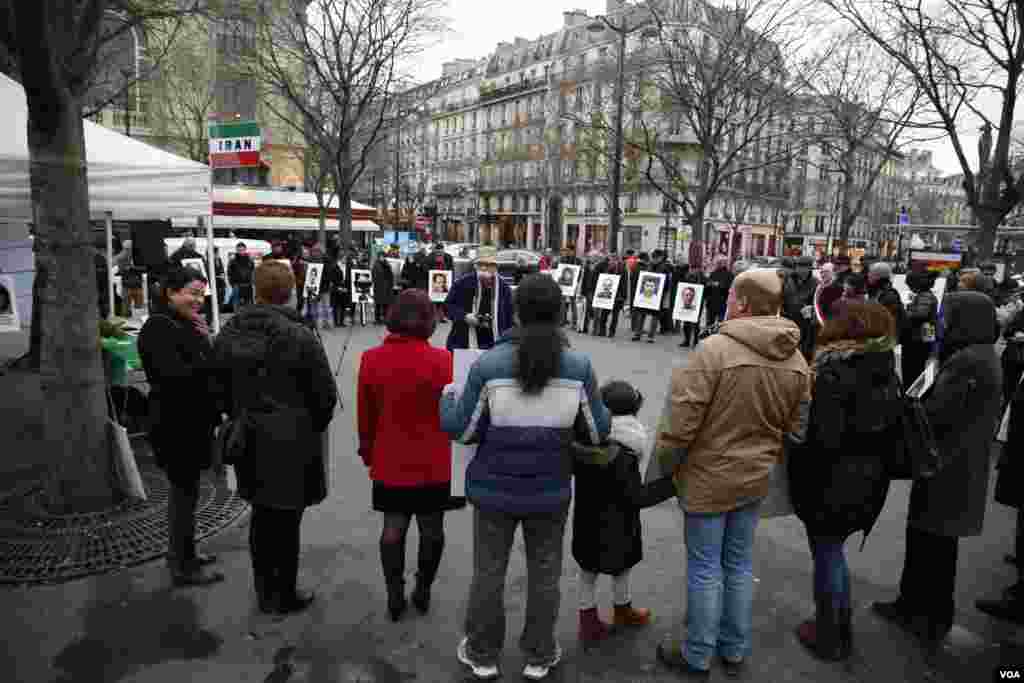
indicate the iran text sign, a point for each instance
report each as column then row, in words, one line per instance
column 235, row 145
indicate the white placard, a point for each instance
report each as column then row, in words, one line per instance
column 440, row 283
column 9, row 320
column 689, row 297
column 924, row 381
column 606, row 290
column 462, row 361
column 362, row 286
column 567, row 275
column 314, row 273
column 899, row 283
column 200, row 265
column 649, row 289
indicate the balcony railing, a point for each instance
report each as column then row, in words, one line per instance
column 496, row 93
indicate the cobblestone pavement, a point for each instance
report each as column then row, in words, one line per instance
column 131, row 626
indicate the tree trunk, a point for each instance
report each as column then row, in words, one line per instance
column 988, row 223
column 73, row 381
column 35, row 336
column 343, row 188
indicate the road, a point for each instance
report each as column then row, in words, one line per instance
column 131, row 626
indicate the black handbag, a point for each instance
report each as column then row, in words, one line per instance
column 920, row 457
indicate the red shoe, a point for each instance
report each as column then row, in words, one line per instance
column 627, row 615
column 592, row 629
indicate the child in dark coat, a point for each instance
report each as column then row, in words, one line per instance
column 606, row 522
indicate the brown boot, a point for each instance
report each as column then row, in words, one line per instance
column 627, row 615
column 592, row 629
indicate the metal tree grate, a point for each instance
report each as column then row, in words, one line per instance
column 37, row 546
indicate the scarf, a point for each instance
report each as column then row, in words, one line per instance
column 844, row 348
column 474, row 342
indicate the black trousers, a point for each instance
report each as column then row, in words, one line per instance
column 640, row 317
column 602, row 318
column 928, row 583
column 274, row 548
column 181, row 520
column 691, row 332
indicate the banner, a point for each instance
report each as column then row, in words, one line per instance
column 606, row 290
column 689, row 297
column 462, row 455
column 649, row 290
column 9, row 321
column 440, row 283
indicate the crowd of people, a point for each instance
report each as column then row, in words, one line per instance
column 789, row 371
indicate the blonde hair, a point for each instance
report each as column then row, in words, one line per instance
column 761, row 289
column 274, row 282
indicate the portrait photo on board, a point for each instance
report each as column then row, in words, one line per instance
column 649, row 289
column 688, row 300
column 567, row 276
column 314, row 273
column 605, row 290
column 9, row 321
column 440, row 282
column 362, row 286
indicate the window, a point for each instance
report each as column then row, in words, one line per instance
column 537, row 204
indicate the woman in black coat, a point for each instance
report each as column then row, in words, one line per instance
column 963, row 408
column 383, row 288
column 174, row 347
column 276, row 381
column 838, row 480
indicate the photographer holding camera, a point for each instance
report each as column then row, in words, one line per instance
column 479, row 305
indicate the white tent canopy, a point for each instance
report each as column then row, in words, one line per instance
column 128, row 178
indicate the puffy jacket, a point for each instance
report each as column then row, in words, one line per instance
column 524, row 463
column 838, row 481
column 240, row 271
column 272, row 367
column 727, row 411
column 717, row 289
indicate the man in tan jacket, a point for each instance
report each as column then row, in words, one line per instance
column 721, row 433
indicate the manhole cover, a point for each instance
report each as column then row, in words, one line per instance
column 37, row 546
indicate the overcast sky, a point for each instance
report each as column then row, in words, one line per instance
column 479, row 25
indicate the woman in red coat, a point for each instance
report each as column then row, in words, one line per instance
column 401, row 441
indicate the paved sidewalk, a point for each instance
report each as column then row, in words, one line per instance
column 131, row 626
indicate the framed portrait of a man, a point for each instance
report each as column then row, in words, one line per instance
column 440, row 282
column 568, row 278
column 605, row 291
column 9, row 321
column 689, row 297
column 362, row 286
column 649, row 290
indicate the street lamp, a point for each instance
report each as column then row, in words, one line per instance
column 132, row 88
column 623, row 29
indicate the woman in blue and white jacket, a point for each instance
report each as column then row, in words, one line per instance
column 524, row 402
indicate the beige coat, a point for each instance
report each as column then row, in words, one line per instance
column 728, row 409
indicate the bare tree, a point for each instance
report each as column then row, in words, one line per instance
column 181, row 91
column 966, row 57
column 333, row 73
column 859, row 105
column 58, row 47
column 725, row 78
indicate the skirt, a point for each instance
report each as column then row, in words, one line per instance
column 412, row 500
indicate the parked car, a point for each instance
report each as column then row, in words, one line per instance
column 509, row 264
column 461, row 250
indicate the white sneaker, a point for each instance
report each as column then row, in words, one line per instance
column 538, row 672
column 482, row 672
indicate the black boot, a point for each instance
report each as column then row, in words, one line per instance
column 846, row 631
column 392, row 558
column 429, row 560
column 821, row 635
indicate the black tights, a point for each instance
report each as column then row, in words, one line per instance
column 392, row 546
column 274, row 548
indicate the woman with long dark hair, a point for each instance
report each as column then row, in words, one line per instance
column 525, row 401
column 175, row 349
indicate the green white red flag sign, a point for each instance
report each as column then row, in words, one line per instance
column 235, row 145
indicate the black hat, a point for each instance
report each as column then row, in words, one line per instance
column 621, row 398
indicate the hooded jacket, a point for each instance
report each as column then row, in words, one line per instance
column 727, row 411
column 963, row 407
column 271, row 365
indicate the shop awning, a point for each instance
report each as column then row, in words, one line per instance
column 251, row 208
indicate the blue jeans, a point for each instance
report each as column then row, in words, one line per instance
column 831, row 574
column 720, row 584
